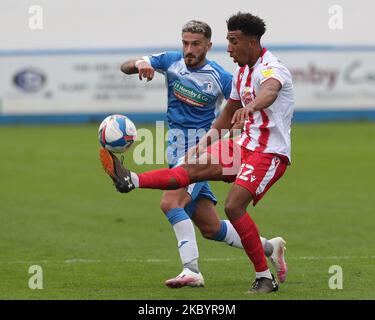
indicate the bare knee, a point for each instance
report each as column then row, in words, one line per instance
column 174, row 199
column 233, row 209
column 167, row 204
column 237, row 201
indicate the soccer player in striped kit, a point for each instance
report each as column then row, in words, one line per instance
column 262, row 98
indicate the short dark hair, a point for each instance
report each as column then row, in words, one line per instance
column 195, row 26
column 247, row 23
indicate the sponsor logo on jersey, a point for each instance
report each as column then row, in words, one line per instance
column 268, row 73
column 190, row 96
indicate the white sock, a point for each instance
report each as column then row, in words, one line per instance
column 264, row 274
column 135, row 179
column 187, row 244
column 233, row 239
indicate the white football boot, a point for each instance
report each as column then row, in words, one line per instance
column 277, row 257
column 186, row 278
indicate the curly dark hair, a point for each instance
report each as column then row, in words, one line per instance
column 247, row 23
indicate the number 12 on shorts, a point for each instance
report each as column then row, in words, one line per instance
column 246, row 170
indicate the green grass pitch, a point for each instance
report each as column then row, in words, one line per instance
column 59, row 210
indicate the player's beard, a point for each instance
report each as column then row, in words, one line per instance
column 192, row 61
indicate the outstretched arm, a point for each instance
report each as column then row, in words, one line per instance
column 140, row 66
column 129, row 67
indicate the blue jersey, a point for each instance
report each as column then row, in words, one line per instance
column 194, row 97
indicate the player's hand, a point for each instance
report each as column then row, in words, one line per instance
column 236, row 129
column 241, row 115
column 145, row 70
column 238, row 125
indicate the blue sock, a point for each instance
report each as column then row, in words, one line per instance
column 176, row 215
column 222, row 232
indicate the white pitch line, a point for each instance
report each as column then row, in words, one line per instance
column 156, row 260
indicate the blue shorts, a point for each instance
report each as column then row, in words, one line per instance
column 197, row 191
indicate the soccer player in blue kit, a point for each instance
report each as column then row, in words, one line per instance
column 196, row 89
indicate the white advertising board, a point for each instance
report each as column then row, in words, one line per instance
column 91, row 82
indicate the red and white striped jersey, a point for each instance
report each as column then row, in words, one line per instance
column 268, row 130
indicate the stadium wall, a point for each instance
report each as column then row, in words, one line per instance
column 77, row 79
column 77, row 85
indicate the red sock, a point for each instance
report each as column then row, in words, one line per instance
column 164, row 179
column 248, row 232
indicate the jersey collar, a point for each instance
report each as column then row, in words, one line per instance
column 260, row 59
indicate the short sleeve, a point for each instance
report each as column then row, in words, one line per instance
column 162, row 61
column 273, row 71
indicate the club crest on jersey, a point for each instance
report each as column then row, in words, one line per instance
column 207, row 87
column 247, row 95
